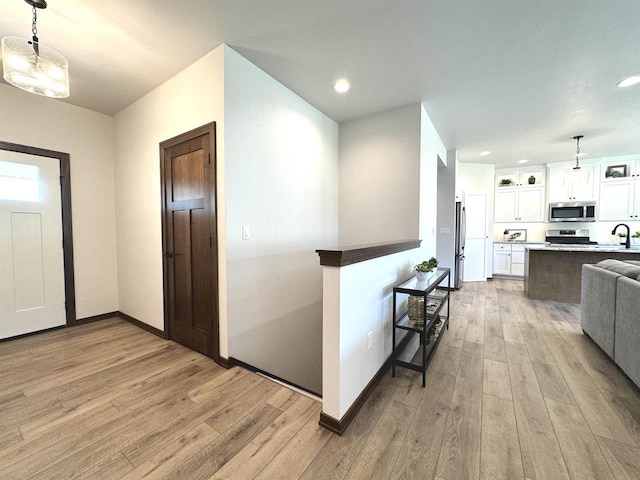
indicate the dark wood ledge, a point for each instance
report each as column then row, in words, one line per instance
column 341, row 256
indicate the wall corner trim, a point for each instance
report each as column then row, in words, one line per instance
column 340, row 426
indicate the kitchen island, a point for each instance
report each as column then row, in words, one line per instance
column 554, row 272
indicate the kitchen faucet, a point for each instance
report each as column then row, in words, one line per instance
column 628, row 242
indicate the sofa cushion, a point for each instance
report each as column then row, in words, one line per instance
column 627, row 269
column 627, row 327
column 598, row 306
column 634, row 262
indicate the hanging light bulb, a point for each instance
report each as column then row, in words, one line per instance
column 31, row 66
column 577, row 139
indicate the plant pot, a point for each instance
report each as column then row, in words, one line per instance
column 422, row 276
column 635, row 241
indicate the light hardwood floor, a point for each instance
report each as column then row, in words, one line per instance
column 516, row 391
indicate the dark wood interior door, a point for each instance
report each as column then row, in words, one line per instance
column 189, row 240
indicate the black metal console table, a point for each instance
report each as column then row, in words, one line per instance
column 433, row 295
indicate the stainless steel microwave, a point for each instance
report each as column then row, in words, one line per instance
column 572, row 212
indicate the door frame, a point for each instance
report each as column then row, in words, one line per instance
column 67, row 230
column 209, row 128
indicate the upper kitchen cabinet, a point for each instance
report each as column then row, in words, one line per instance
column 569, row 185
column 520, row 177
column 620, row 189
column 519, row 195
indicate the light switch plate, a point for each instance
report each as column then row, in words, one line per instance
column 246, row 232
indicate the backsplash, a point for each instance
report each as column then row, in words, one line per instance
column 598, row 231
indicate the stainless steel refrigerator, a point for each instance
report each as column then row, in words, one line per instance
column 461, row 232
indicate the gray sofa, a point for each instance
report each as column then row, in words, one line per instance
column 610, row 311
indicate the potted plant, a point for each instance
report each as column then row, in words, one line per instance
column 635, row 238
column 623, row 238
column 505, row 182
column 422, row 269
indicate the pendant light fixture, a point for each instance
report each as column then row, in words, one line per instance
column 577, row 139
column 32, row 66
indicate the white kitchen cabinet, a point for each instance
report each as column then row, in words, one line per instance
column 517, row 260
column 501, row 259
column 569, row 185
column 520, row 194
column 620, row 200
column 620, row 190
column 508, row 259
column 520, row 177
column 519, row 205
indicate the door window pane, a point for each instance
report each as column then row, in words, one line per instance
column 19, row 182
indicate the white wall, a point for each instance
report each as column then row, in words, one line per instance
column 447, row 212
column 282, row 181
column 478, row 178
column 431, row 147
column 36, row 121
column 358, row 299
column 192, row 98
column 380, row 177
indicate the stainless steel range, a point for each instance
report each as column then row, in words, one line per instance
column 569, row 236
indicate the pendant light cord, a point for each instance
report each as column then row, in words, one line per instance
column 577, row 137
column 34, row 31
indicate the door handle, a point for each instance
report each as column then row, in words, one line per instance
column 168, row 254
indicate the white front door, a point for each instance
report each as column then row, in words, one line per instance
column 32, row 294
column 476, row 241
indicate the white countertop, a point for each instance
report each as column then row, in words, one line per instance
column 519, row 242
column 584, row 248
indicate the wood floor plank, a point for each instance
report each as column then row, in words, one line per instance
column 512, row 333
column 580, row 449
column 252, row 459
column 538, row 351
column 232, row 413
column 418, row 457
column 457, row 326
column 496, row 379
column 283, row 398
column 215, row 386
column 9, row 437
column 623, row 459
column 493, row 334
column 535, row 431
column 109, row 442
column 500, row 457
column 174, row 454
column 126, row 416
column 446, row 358
column 460, row 453
column 407, row 391
column 204, row 464
column 552, row 384
column 598, row 412
column 306, row 444
column 113, row 467
column 475, row 333
column 171, row 431
column 379, row 452
column 336, row 457
column 627, row 410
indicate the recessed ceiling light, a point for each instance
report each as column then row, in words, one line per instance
column 627, row 82
column 485, row 153
column 523, row 161
column 342, row 85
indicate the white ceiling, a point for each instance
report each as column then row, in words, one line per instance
column 517, row 77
